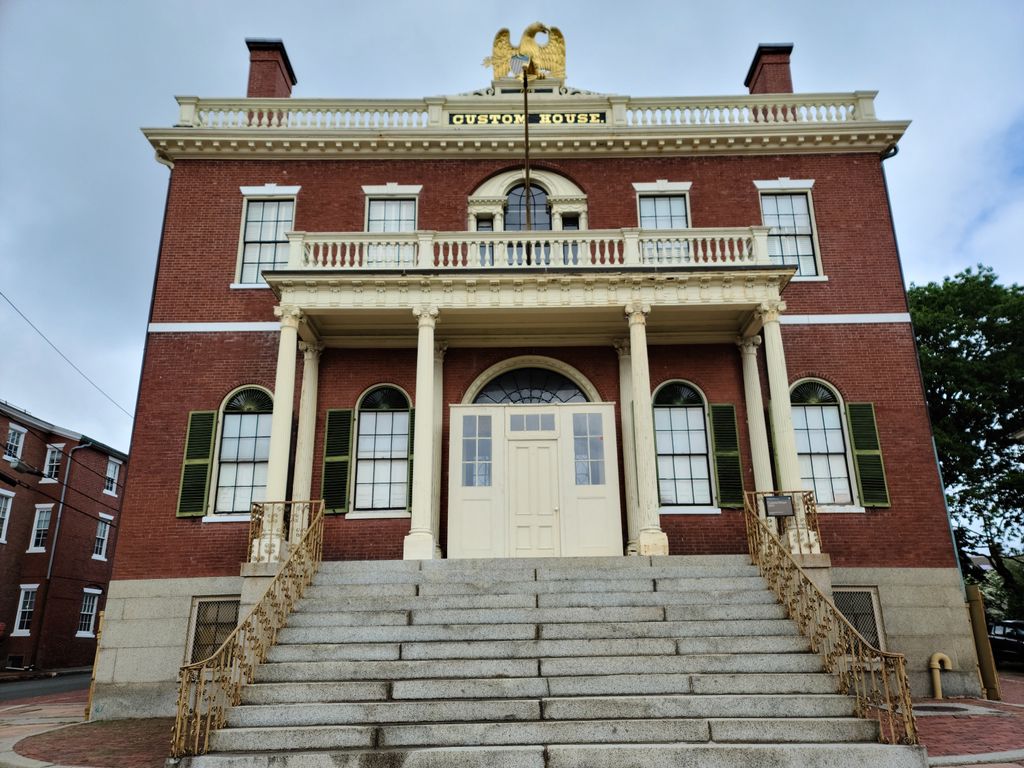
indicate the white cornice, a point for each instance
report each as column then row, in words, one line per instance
column 784, row 182
column 269, row 190
column 392, row 189
column 662, row 185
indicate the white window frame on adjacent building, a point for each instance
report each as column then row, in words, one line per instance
column 51, row 466
column 787, row 186
column 266, row 193
column 88, row 612
column 6, row 505
column 27, row 605
column 39, row 535
column 113, row 473
column 15, row 442
column 99, row 547
column 854, row 505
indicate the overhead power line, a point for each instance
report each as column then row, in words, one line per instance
column 65, row 357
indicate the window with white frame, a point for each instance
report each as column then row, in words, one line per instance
column 269, row 213
column 26, row 607
column 382, row 451
column 6, row 502
column 391, row 215
column 51, row 468
column 787, row 211
column 820, row 444
column 681, row 444
column 663, row 204
column 391, row 209
column 99, row 547
column 40, row 528
column 87, row 616
column 244, row 451
column 113, row 473
column 15, row 442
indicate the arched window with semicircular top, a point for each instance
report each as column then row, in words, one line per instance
column 681, row 443
column 244, row 451
column 820, row 442
column 383, row 447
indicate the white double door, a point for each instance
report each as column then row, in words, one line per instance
column 533, row 481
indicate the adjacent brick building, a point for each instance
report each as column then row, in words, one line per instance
column 60, row 497
column 349, row 306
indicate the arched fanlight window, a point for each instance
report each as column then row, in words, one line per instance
column 382, row 451
column 515, row 209
column 820, row 446
column 244, row 451
column 681, row 444
column 530, row 385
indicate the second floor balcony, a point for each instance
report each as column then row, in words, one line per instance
column 568, row 250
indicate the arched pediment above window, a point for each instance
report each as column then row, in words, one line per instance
column 489, row 201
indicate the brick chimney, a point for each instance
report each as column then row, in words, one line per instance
column 270, row 73
column 769, row 71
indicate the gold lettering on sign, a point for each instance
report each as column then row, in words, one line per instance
column 517, row 118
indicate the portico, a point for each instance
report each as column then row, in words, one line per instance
column 434, row 313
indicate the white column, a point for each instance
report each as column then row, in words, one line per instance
column 786, row 461
column 759, row 453
column 419, row 544
column 270, row 548
column 435, row 501
column 651, row 539
column 628, row 446
column 303, row 478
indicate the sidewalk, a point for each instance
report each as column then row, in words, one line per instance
column 48, row 731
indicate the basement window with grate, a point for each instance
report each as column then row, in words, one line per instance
column 214, row 621
column 860, row 607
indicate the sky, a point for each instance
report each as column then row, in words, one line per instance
column 81, row 197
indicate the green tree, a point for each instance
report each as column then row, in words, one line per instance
column 970, row 335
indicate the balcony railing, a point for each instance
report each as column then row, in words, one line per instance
column 502, row 251
column 618, row 111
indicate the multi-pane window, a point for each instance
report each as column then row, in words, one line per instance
column 515, row 210
column 820, row 447
column 681, row 443
column 264, row 244
column 110, row 481
column 26, row 607
column 15, row 441
column 390, row 215
column 790, row 235
column 382, row 451
column 87, row 616
column 476, row 451
column 40, row 528
column 588, row 448
column 663, row 212
column 52, row 468
column 244, row 451
column 6, row 498
column 99, row 547
column 215, row 620
column 530, row 385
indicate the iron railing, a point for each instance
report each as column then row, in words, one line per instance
column 806, row 537
column 207, row 688
column 877, row 680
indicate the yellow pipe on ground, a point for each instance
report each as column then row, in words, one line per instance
column 936, row 663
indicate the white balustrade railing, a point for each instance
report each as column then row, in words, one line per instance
column 619, row 111
column 586, row 249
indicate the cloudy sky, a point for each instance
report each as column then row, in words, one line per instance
column 81, row 198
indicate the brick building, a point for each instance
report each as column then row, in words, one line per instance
column 60, row 497
column 348, row 306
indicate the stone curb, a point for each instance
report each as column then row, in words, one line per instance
column 978, row 759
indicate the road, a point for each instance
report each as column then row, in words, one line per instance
column 23, row 689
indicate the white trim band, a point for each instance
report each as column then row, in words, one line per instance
column 662, row 185
column 866, row 319
column 784, row 182
column 213, row 327
column 269, row 190
column 392, row 189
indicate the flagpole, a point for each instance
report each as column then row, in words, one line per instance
column 526, row 145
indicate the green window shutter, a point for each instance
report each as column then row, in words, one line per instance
column 194, row 489
column 412, row 434
column 726, row 442
column 867, row 455
column 337, row 460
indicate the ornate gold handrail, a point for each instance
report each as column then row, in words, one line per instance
column 287, row 511
column 877, row 680
column 207, row 688
column 803, row 501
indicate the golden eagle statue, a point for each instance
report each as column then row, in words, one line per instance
column 548, row 59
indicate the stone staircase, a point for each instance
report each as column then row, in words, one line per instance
column 556, row 663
